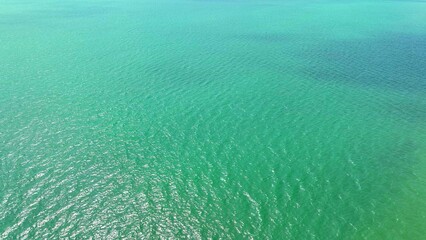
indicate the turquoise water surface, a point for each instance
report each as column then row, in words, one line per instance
column 212, row 119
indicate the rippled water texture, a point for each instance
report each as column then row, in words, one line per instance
column 212, row 119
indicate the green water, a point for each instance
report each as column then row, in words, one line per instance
column 213, row 119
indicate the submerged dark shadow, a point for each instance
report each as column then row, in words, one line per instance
column 395, row 62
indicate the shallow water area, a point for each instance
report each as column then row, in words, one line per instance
column 213, row 119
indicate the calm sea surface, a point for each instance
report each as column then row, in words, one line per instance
column 213, row 119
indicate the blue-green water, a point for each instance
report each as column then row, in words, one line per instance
column 212, row 119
